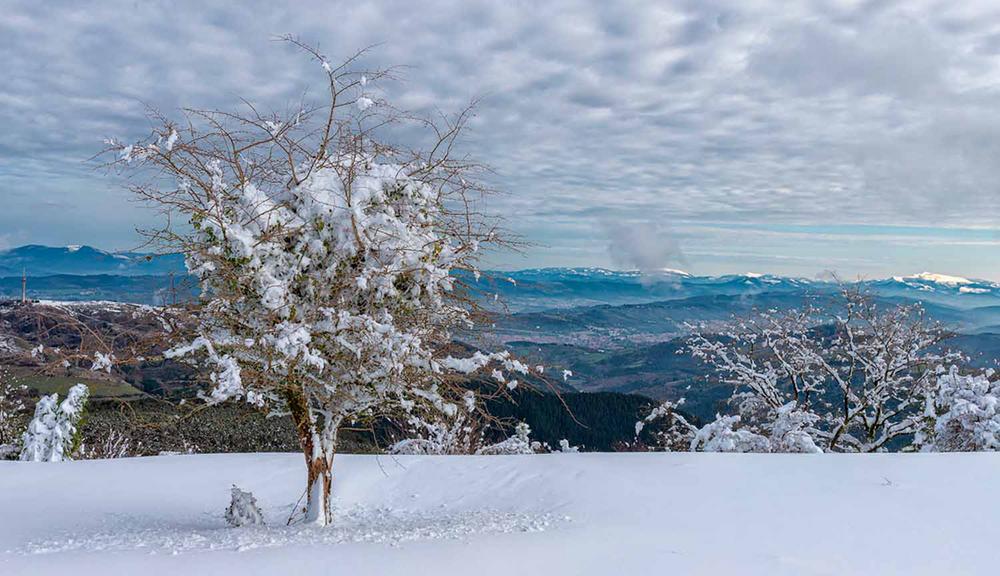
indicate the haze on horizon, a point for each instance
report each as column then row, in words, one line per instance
column 715, row 137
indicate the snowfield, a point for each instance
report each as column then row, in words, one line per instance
column 681, row 513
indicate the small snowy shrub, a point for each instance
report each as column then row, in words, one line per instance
column 783, row 430
column 519, row 443
column 243, row 510
column 565, row 448
column 103, row 362
column 665, row 429
column 789, row 430
column 53, row 434
column 114, row 445
column 460, row 434
column 722, row 435
column 8, row 451
column 963, row 415
column 417, row 447
column 187, row 447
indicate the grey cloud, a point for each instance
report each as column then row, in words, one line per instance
column 643, row 246
column 648, row 110
column 891, row 55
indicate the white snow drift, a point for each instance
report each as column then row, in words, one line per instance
column 579, row 514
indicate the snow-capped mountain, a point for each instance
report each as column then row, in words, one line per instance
column 38, row 260
column 938, row 279
column 941, row 288
column 545, row 288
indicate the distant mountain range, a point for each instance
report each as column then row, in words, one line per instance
column 37, row 260
column 544, row 303
column 548, row 288
column 155, row 290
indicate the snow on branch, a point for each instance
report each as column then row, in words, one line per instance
column 479, row 360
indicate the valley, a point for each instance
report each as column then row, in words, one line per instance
column 615, row 332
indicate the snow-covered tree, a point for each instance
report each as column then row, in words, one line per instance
column 963, row 415
column 39, row 442
column 808, row 381
column 53, row 434
column 326, row 257
column 11, row 407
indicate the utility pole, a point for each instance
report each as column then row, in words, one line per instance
column 24, row 285
column 173, row 291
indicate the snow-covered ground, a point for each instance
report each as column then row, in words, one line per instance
column 550, row 514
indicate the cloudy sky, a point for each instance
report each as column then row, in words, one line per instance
column 792, row 138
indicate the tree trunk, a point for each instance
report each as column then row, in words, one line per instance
column 318, row 484
column 319, row 479
column 318, row 447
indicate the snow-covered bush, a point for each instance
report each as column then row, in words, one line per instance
column 519, row 443
column 461, row 438
column 326, row 255
column 671, row 432
column 963, row 415
column 418, row 447
column 114, row 445
column 462, row 434
column 791, row 430
column 721, row 435
column 786, row 429
column 187, row 447
column 103, row 362
column 11, row 408
column 565, row 448
column 808, row 381
column 465, row 434
column 9, row 451
column 53, row 434
column 243, row 510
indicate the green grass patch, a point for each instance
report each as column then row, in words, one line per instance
column 61, row 384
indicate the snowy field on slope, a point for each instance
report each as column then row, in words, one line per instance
column 550, row 514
